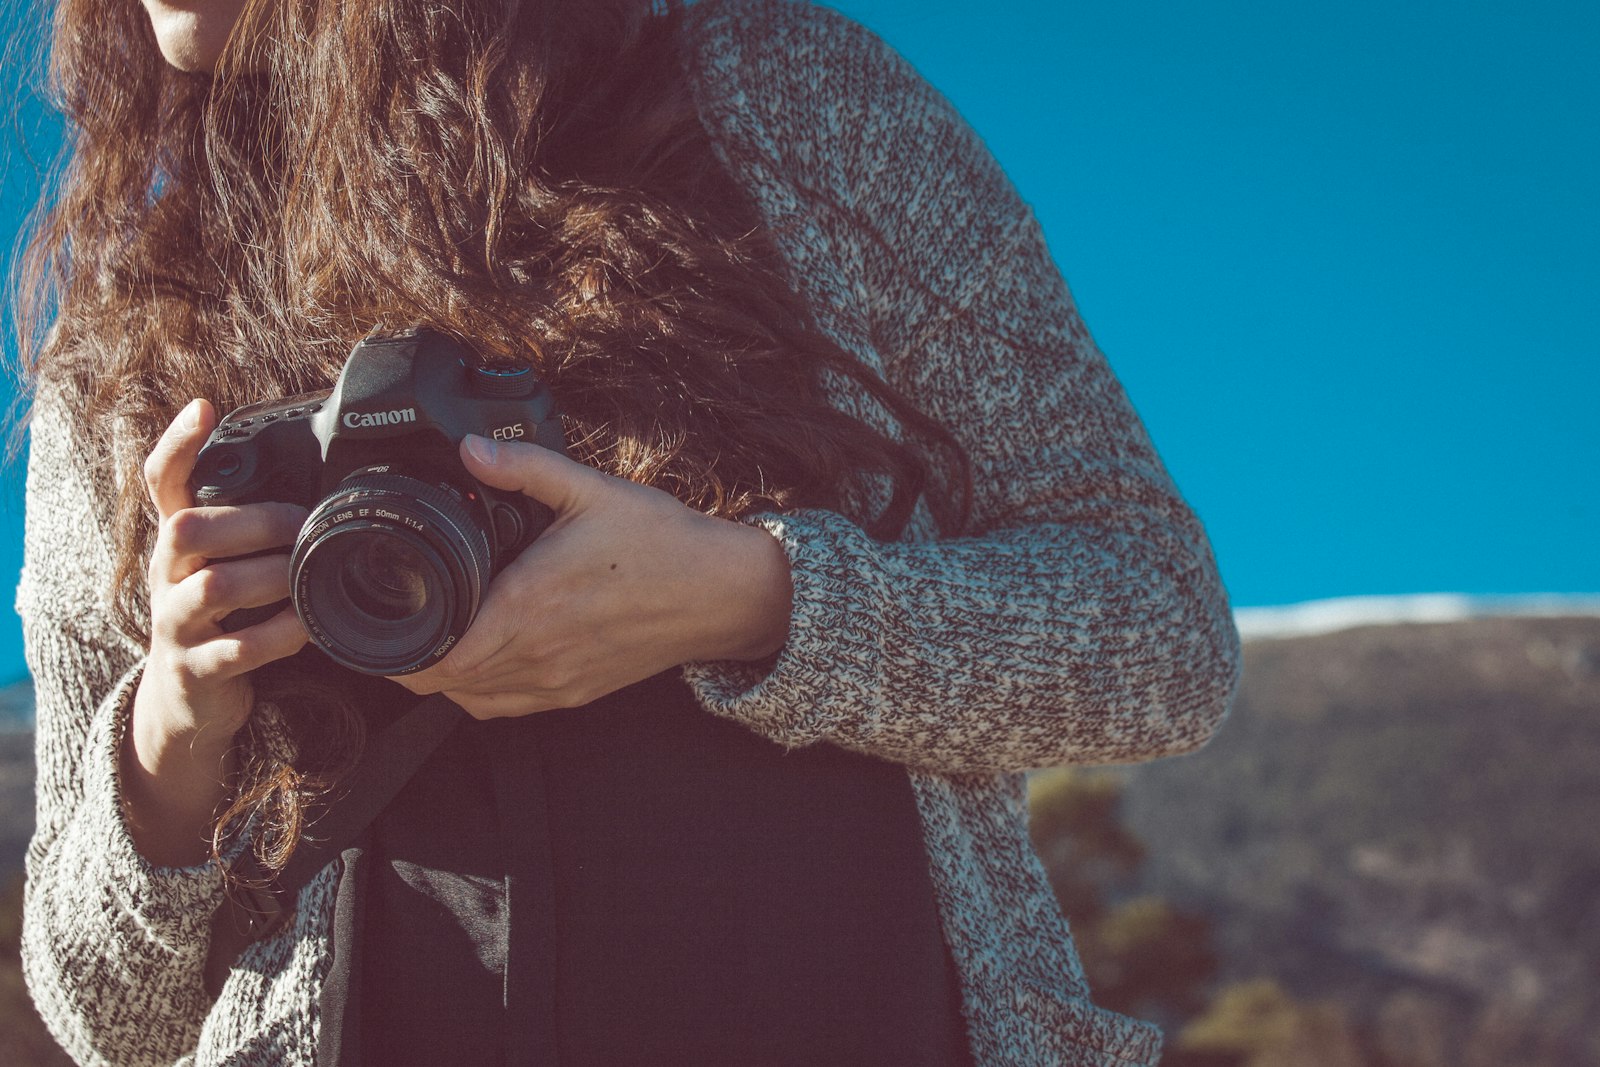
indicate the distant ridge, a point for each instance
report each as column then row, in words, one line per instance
column 1344, row 613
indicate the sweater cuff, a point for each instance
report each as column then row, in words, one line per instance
column 832, row 659
column 172, row 905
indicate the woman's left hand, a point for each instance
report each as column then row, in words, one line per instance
column 626, row 582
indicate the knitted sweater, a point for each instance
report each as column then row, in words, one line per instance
column 1080, row 620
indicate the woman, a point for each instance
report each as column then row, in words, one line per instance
column 848, row 474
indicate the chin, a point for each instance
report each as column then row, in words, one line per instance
column 188, row 58
column 191, row 39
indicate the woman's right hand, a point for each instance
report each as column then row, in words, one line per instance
column 195, row 692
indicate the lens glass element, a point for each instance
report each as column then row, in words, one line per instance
column 376, row 598
column 384, row 578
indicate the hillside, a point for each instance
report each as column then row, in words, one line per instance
column 1403, row 818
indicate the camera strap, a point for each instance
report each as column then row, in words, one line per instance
column 257, row 903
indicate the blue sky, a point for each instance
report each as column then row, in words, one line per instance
column 1344, row 260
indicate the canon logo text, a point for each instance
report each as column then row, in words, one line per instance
column 355, row 419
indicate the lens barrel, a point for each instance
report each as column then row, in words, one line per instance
column 389, row 570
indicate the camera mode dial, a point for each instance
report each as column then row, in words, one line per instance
column 509, row 380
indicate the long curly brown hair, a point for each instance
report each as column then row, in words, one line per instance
column 528, row 175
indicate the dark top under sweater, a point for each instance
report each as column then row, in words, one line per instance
column 666, row 886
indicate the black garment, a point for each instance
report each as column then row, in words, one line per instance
column 675, row 889
column 435, row 924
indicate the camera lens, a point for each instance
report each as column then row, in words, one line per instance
column 385, row 579
column 389, row 570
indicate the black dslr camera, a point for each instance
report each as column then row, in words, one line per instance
column 389, row 569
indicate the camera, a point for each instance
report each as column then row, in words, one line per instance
column 392, row 563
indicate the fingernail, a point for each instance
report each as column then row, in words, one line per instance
column 482, row 449
column 190, row 416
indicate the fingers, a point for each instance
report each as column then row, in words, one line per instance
column 166, row 469
column 196, row 676
column 193, row 609
column 506, row 684
column 515, row 684
column 207, row 674
column 192, row 537
column 238, row 653
column 544, row 474
column 216, row 532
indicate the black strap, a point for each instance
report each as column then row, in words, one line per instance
column 339, row 1008
column 258, row 903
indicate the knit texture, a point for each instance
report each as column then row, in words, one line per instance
column 1079, row 619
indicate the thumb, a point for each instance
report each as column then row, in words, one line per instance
column 533, row 470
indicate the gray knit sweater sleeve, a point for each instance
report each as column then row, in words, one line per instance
column 112, row 946
column 1081, row 620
